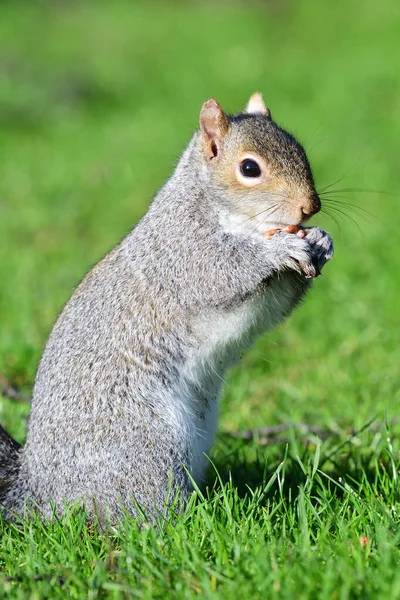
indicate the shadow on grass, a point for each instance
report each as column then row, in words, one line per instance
column 340, row 463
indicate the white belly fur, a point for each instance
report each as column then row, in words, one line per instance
column 222, row 336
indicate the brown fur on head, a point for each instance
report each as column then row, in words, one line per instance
column 284, row 190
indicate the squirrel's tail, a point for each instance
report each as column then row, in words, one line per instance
column 9, row 461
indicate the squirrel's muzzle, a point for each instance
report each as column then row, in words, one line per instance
column 310, row 205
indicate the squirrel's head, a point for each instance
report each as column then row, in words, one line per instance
column 263, row 171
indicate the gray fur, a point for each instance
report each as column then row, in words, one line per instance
column 129, row 380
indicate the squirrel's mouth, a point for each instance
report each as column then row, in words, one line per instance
column 293, row 229
column 284, row 225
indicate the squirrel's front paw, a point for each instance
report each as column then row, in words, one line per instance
column 321, row 245
column 296, row 254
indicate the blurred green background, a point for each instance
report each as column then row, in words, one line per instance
column 97, row 101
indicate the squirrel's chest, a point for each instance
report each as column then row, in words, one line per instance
column 222, row 334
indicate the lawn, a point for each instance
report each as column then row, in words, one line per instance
column 97, row 100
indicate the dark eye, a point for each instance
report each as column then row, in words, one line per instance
column 249, row 168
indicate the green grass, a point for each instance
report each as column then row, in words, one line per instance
column 97, row 100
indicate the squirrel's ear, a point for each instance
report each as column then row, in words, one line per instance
column 256, row 106
column 213, row 125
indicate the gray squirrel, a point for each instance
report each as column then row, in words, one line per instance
column 125, row 401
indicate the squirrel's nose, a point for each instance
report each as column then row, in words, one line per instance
column 310, row 206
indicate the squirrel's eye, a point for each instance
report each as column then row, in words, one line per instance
column 249, row 168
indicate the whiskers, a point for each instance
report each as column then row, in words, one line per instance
column 337, row 205
column 267, row 215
